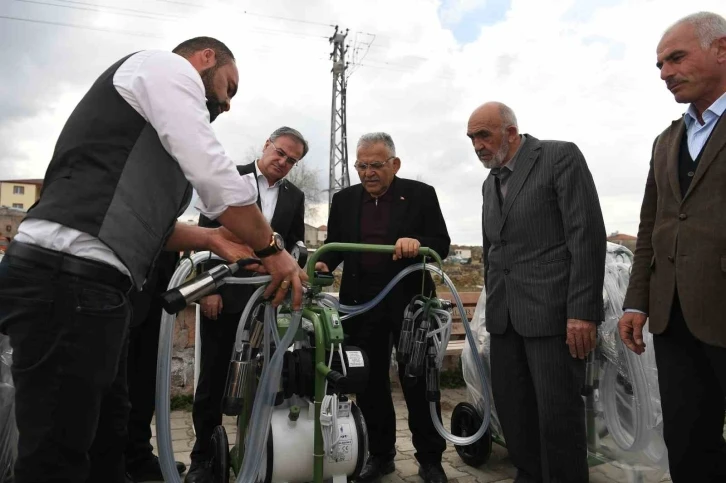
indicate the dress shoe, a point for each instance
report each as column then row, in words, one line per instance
column 199, row 472
column 524, row 477
column 375, row 469
column 432, row 473
column 150, row 470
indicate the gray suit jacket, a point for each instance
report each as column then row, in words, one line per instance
column 544, row 250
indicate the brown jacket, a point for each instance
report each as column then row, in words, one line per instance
column 682, row 240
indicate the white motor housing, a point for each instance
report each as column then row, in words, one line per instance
column 290, row 445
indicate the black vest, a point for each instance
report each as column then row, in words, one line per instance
column 686, row 164
column 111, row 177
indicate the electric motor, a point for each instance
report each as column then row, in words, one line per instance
column 298, row 373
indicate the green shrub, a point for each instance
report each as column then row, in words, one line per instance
column 182, row 403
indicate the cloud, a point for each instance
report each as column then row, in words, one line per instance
column 574, row 70
column 453, row 11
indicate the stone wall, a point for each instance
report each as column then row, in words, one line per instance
column 182, row 362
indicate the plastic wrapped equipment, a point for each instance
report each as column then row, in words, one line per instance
column 8, row 430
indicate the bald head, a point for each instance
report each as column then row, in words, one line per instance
column 496, row 110
column 494, row 133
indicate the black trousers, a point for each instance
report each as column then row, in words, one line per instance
column 142, row 359
column 373, row 332
column 692, row 380
column 537, row 388
column 69, row 338
column 217, row 345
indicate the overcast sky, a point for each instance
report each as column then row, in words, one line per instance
column 576, row 70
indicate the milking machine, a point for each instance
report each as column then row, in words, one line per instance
column 291, row 374
column 622, row 402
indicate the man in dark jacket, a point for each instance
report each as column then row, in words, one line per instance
column 283, row 205
column 386, row 210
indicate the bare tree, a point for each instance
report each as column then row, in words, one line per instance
column 306, row 178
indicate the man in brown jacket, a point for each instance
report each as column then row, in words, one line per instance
column 679, row 275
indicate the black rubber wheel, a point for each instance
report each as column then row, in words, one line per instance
column 465, row 421
column 219, row 464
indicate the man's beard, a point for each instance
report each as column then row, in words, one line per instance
column 213, row 105
column 498, row 159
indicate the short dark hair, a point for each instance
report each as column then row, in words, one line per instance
column 189, row 47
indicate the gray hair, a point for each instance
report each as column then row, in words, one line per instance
column 708, row 26
column 293, row 133
column 508, row 117
column 375, row 138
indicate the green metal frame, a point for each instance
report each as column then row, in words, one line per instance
column 328, row 331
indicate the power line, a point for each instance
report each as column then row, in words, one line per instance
column 309, row 22
column 356, row 51
column 155, row 16
column 132, row 10
column 97, row 29
column 92, row 9
column 196, row 5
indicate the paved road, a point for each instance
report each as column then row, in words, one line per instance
column 497, row 470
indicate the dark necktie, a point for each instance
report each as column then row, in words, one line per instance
column 500, row 175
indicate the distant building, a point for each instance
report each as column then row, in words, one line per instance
column 628, row 241
column 19, row 193
column 315, row 236
column 463, row 253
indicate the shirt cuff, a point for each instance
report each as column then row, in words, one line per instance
column 635, row 311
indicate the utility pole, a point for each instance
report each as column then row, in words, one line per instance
column 339, row 177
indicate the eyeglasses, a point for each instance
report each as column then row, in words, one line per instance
column 288, row 159
column 374, row 166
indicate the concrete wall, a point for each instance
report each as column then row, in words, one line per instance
column 9, row 221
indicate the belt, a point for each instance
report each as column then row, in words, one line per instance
column 70, row 264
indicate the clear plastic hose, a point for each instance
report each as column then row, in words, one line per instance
column 352, row 310
column 459, row 440
column 239, row 337
column 163, row 366
column 629, row 385
column 163, row 376
column 256, row 440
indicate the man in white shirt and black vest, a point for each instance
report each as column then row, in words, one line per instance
column 122, row 171
column 283, row 205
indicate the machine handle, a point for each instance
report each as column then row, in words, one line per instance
column 361, row 247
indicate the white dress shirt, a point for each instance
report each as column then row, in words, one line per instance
column 168, row 92
column 268, row 194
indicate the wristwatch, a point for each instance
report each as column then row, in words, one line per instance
column 277, row 244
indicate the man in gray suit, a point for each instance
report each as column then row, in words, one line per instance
column 544, row 256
